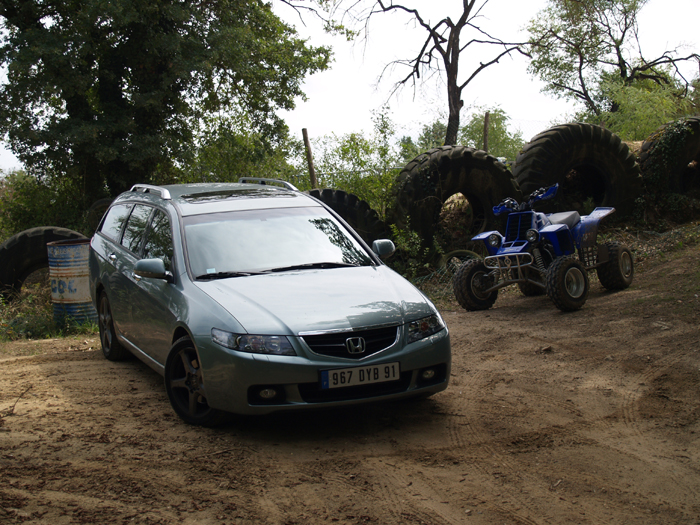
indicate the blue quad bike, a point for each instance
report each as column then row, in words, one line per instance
column 543, row 253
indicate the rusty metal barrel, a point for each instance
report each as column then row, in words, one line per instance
column 68, row 274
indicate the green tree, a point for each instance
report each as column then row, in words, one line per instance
column 501, row 142
column 227, row 148
column 364, row 166
column 108, row 92
column 640, row 108
column 431, row 136
column 577, row 44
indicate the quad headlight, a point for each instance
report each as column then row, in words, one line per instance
column 422, row 328
column 253, row 344
column 532, row 235
column 494, row 240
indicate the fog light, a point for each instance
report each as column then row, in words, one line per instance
column 268, row 393
column 428, row 374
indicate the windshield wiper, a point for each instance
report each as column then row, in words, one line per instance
column 312, row 266
column 224, row 275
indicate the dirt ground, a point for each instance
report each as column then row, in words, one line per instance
column 590, row 417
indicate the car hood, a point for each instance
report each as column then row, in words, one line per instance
column 295, row 302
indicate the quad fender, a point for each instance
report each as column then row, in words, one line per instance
column 560, row 238
column 585, row 232
column 484, row 236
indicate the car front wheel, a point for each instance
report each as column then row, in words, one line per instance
column 184, row 384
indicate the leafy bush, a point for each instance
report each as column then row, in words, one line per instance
column 27, row 202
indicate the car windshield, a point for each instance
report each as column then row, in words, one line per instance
column 236, row 243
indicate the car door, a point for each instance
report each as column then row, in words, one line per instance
column 110, row 259
column 125, row 284
column 153, row 299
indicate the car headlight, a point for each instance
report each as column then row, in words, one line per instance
column 425, row 327
column 494, row 240
column 532, row 235
column 253, row 344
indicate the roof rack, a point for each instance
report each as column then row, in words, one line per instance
column 259, row 180
column 149, row 188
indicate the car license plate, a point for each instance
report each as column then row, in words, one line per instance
column 359, row 375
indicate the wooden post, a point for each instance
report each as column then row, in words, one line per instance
column 486, row 132
column 309, row 158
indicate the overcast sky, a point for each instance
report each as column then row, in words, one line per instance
column 342, row 100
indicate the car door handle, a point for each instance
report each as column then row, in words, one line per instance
column 112, row 258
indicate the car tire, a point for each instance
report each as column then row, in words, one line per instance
column 26, row 252
column 618, row 272
column 184, row 385
column 567, row 284
column 426, row 182
column 112, row 349
column 587, row 161
column 467, row 284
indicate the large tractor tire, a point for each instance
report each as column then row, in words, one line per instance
column 430, row 179
column 357, row 213
column 26, row 252
column 590, row 163
column 678, row 172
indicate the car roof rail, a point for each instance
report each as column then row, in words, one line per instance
column 149, row 188
column 259, row 180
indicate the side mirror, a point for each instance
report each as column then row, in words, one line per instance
column 152, row 269
column 383, row 248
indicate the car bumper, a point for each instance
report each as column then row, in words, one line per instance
column 234, row 381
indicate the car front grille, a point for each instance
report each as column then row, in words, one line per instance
column 518, row 225
column 334, row 344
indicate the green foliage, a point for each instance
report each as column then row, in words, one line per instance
column 30, row 315
column 588, row 51
column 501, row 142
column 635, row 111
column 363, row 166
column 656, row 205
column 432, row 136
column 228, row 149
column 410, row 257
column 108, row 93
column 26, row 202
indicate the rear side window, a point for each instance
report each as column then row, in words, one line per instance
column 136, row 227
column 114, row 221
column 159, row 240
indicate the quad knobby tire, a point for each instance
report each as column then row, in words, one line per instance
column 468, row 283
column 530, row 290
column 184, row 384
column 679, row 174
column 430, row 179
column 618, row 272
column 357, row 213
column 588, row 162
column 567, row 284
column 26, row 252
column 112, row 349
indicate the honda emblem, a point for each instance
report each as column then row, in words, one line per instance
column 355, row 345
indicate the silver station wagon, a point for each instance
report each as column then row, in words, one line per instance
column 253, row 297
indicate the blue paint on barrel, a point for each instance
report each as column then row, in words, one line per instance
column 70, row 285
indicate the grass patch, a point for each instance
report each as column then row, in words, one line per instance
column 30, row 314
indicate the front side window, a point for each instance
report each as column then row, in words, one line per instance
column 136, row 227
column 269, row 240
column 159, row 240
column 114, row 221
